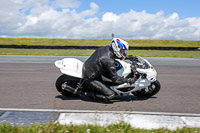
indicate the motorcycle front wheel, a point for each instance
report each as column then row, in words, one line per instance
column 152, row 90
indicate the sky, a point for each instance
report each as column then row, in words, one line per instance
column 99, row 19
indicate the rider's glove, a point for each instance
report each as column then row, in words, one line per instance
column 131, row 80
column 132, row 58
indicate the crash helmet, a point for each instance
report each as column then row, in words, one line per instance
column 119, row 47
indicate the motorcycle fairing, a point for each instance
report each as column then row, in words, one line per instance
column 125, row 70
column 70, row 66
column 138, row 85
column 73, row 67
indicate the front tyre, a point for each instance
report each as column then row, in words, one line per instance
column 153, row 89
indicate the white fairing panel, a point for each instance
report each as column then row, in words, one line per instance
column 70, row 66
column 125, row 70
column 151, row 73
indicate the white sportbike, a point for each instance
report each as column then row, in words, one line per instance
column 71, row 83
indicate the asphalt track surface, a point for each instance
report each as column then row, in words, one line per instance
column 29, row 82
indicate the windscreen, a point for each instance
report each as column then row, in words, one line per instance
column 142, row 63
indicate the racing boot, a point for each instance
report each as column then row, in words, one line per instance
column 101, row 97
column 105, row 98
column 96, row 96
column 89, row 94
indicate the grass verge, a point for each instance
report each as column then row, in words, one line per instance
column 115, row 128
column 76, row 52
column 96, row 42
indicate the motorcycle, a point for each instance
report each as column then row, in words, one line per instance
column 71, row 83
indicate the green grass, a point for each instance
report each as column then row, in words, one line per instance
column 164, row 43
column 74, row 52
column 68, row 52
column 115, row 128
column 96, row 42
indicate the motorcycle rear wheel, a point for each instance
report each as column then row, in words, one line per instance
column 152, row 90
column 65, row 80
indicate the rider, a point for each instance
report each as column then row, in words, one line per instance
column 101, row 63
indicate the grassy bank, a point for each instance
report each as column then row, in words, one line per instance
column 116, row 128
column 96, row 42
column 74, row 52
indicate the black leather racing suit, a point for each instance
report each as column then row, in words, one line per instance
column 101, row 62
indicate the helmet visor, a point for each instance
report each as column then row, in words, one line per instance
column 123, row 52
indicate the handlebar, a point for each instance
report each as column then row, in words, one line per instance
column 132, row 58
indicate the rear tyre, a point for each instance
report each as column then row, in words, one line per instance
column 63, row 81
column 152, row 90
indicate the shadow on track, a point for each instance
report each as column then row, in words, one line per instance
column 116, row 99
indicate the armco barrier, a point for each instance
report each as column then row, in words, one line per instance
column 95, row 47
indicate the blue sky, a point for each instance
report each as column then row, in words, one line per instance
column 185, row 8
column 128, row 19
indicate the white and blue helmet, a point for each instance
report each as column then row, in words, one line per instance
column 119, row 47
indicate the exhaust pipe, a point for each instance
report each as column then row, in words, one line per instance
column 70, row 89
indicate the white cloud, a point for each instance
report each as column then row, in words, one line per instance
column 91, row 12
column 59, row 18
column 65, row 3
column 109, row 16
